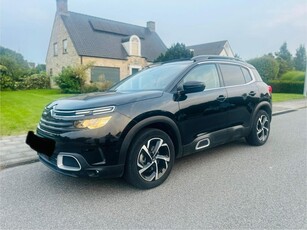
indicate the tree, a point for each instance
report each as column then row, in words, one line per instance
column 267, row 67
column 176, row 51
column 300, row 58
column 14, row 62
column 284, row 58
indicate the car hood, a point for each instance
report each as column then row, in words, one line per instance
column 93, row 100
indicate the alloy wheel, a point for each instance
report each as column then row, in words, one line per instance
column 153, row 159
column 262, row 128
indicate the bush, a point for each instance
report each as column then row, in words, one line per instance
column 68, row 81
column 35, row 81
column 6, row 83
column 293, row 76
column 287, row 86
column 267, row 67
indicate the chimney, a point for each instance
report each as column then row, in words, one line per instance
column 61, row 6
column 151, row 26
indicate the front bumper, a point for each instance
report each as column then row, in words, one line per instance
column 75, row 165
column 73, row 158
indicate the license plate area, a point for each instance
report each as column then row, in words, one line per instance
column 40, row 144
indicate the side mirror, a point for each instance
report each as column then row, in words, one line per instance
column 193, row 86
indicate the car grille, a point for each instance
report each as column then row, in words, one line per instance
column 55, row 122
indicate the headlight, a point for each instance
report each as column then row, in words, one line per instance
column 92, row 123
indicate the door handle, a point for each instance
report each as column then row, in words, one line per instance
column 252, row 93
column 221, row 98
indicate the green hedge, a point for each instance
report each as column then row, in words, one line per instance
column 293, row 76
column 287, row 86
column 35, row 81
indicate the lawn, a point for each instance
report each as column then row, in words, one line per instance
column 20, row 111
column 278, row 97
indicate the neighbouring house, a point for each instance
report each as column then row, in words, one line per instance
column 213, row 48
column 117, row 49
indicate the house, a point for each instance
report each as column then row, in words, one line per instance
column 213, row 48
column 117, row 49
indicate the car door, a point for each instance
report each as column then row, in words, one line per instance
column 241, row 93
column 205, row 111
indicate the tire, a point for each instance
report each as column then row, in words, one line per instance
column 260, row 130
column 150, row 160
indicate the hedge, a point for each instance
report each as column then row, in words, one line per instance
column 35, row 81
column 287, row 86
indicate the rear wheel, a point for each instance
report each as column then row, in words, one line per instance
column 260, row 129
column 150, row 160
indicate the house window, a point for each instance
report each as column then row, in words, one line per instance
column 102, row 74
column 50, row 72
column 55, row 49
column 65, row 46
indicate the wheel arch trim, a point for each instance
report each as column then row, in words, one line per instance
column 149, row 122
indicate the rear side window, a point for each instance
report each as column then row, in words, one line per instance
column 256, row 75
column 232, row 74
column 246, row 74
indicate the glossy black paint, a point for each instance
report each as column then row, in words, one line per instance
column 221, row 115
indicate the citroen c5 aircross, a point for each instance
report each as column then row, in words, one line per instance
column 142, row 124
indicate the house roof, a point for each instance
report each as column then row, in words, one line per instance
column 99, row 37
column 212, row 48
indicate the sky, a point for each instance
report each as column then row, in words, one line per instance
column 253, row 28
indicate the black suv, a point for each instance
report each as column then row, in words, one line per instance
column 168, row 110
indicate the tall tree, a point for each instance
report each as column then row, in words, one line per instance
column 300, row 58
column 284, row 53
column 176, row 51
column 284, row 59
column 16, row 65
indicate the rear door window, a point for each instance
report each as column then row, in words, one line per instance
column 232, row 74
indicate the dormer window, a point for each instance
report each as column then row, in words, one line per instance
column 132, row 45
column 135, row 46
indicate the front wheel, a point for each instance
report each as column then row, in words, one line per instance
column 150, row 160
column 260, row 129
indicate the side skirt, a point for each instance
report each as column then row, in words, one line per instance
column 209, row 140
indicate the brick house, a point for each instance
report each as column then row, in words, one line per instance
column 117, row 49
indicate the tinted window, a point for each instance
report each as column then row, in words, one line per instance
column 206, row 74
column 246, row 74
column 232, row 75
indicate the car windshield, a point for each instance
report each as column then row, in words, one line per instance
column 153, row 78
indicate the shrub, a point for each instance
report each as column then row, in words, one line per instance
column 6, row 83
column 68, row 81
column 35, row 81
column 293, row 76
column 287, row 86
column 72, row 79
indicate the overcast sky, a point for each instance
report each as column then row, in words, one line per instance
column 253, row 28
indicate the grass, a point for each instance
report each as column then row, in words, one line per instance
column 20, row 111
column 278, row 97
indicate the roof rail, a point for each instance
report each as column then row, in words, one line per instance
column 207, row 57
